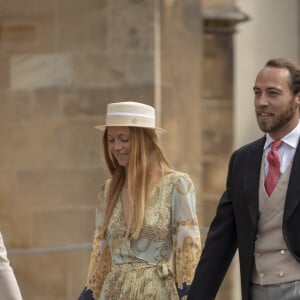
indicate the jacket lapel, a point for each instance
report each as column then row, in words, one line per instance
column 293, row 192
column 252, row 178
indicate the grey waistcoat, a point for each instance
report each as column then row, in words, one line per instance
column 273, row 263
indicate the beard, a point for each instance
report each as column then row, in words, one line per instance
column 278, row 121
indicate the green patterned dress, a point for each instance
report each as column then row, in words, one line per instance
column 160, row 265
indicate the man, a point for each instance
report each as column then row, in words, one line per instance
column 259, row 213
column 9, row 289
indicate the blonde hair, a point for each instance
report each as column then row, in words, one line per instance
column 145, row 156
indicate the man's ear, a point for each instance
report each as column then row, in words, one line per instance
column 297, row 98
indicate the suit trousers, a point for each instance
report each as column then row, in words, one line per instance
column 9, row 289
column 283, row 291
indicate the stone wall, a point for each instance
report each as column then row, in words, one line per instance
column 53, row 91
column 61, row 62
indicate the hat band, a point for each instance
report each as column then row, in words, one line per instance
column 130, row 115
column 130, row 120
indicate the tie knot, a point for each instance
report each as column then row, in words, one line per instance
column 276, row 144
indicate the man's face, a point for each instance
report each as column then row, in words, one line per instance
column 277, row 109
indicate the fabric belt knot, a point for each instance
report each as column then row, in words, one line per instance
column 163, row 270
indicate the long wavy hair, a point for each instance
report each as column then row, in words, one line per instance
column 146, row 155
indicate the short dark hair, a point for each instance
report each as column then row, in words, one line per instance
column 292, row 67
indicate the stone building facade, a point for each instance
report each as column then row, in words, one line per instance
column 61, row 62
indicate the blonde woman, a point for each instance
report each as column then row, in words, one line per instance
column 147, row 240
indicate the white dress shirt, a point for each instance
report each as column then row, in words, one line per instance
column 285, row 152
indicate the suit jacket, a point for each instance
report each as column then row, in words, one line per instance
column 235, row 224
column 9, row 289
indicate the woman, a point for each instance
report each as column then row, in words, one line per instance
column 147, row 241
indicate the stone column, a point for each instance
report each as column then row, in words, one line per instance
column 180, row 83
column 220, row 20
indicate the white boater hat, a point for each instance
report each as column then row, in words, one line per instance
column 130, row 113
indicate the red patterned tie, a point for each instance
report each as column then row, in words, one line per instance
column 274, row 167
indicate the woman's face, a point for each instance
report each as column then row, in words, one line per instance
column 119, row 143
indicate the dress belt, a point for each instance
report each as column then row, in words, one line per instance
column 163, row 269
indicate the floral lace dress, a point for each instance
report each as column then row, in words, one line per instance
column 160, row 265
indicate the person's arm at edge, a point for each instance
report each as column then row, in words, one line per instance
column 219, row 249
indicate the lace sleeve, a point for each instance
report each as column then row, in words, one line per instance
column 100, row 261
column 186, row 234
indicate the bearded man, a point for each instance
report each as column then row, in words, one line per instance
column 259, row 212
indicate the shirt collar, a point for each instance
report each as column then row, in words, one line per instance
column 290, row 139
